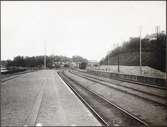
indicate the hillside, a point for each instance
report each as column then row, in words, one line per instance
column 153, row 53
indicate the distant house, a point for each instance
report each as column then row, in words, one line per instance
column 3, row 69
column 151, row 37
column 93, row 63
column 75, row 64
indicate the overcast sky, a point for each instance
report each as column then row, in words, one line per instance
column 88, row 29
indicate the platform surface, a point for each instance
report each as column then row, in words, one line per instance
column 42, row 98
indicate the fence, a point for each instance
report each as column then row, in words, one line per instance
column 136, row 78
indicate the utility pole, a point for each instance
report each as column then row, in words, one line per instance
column 159, row 49
column 44, row 55
column 118, row 59
column 157, row 30
column 108, row 55
column 140, row 53
column 118, row 63
column 108, row 61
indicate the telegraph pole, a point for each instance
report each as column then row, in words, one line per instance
column 140, row 54
column 118, row 58
column 108, row 61
column 118, row 63
column 108, row 56
column 44, row 55
column 157, row 30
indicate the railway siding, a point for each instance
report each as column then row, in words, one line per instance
column 137, row 106
column 157, row 82
column 152, row 91
column 111, row 114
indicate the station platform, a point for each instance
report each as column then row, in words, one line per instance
column 61, row 107
column 53, row 103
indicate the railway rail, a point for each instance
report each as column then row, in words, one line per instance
column 134, row 82
column 13, row 76
column 151, row 97
column 133, row 87
column 108, row 113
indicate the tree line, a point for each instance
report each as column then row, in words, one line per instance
column 38, row 61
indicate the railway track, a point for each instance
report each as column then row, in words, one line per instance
column 151, row 97
column 108, row 113
column 14, row 76
column 134, row 82
column 121, row 80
